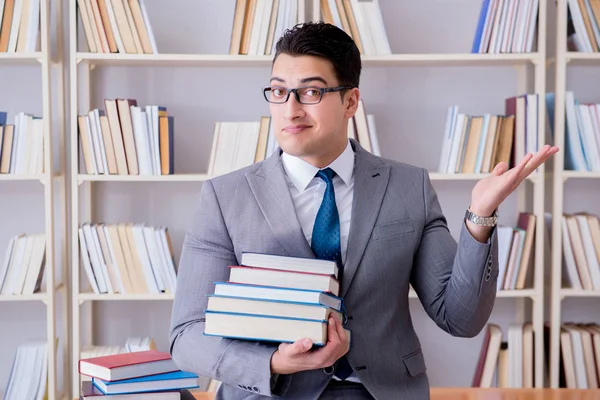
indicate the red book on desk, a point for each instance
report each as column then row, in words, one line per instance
column 127, row 365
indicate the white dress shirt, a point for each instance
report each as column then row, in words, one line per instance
column 307, row 194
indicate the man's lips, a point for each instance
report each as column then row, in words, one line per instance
column 295, row 128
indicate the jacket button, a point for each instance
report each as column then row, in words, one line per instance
column 329, row 370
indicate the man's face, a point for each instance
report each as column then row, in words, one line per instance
column 316, row 133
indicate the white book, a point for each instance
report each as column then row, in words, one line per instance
column 149, row 114
column 36, row 264
column 488, row 25
column 377, row 27
column 33, row 25
column 23, row 265
column 7, row 257
column 264, row 27
column 142, row 146
column 257, row 22
column 14, row 27
column 162, row 233
column 95, row 259
column 91, row 128
column 451, row 117
column 373, row 135
column 116, row 270
column 589, row 249
column 531, row 26
column 520, row 25
column 97, row 129
column 170, row 278
column 85, row 259
column 579, row 25
column 455, row 149
column 154, row 258
column 103, row 262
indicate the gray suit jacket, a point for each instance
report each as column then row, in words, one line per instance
column 398, row 236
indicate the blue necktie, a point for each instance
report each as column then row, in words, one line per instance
column 326, row 242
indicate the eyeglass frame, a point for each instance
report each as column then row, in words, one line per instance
column 295, row 91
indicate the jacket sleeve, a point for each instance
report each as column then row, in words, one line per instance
column 206, row 256
column 455, row 282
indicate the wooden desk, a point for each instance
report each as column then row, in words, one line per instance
column 492, row 394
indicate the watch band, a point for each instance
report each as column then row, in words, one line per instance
column 479, row 220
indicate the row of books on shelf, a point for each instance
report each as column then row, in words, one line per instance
column 515, row 252
column 117, row 26
column 362, row 20
column 275, row 298
column 127, row 258
column 506, row 26
column 583, row 27
column 28, row 377
column 257, row 24
column 126, row 139
column 581, row 250
column 21, row 144
column 19, row 25
column 238, row 144
column 144, row 374
column 579, row 356
column 477, row 143
column 22, row 270
column 505, row 362
column 582, row 132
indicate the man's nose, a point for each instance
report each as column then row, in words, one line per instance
column 293, row 108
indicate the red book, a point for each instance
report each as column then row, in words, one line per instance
column 127, row 365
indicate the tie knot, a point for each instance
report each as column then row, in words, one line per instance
column 326, row 174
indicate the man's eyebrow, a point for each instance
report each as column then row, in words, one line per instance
column 303, row 80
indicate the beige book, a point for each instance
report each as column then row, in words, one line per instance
column 326, row 12
column 588, row 355
column 134, row 32
column 490, row 142
column 238, row 25
column 527, row 355
column 353, row 25
column 123, row 24
column 506, row 140
column 9, row 7
column 491, row 164
column 137, row 281
column 86, row 146
column 140, row 26
column 87, row 28
column 110, row 36
column 261, row 148
column 472, row 148
column 587, row 20
column 100, row 27
column 579, row 253
column 123, row 106
column 93, row 26
column 140, row 277
column 343, row 17
column 248, row 23
column 112, row 114
column 119, row 261
column 526, row 222
column 503, row 366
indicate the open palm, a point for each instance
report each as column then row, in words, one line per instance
column 491, row 191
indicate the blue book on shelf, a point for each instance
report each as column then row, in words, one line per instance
column 176, row 380
column 3, row 115
column 485, row 6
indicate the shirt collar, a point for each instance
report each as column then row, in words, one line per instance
column 301, row 172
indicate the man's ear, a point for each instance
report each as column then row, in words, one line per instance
column 351, row 102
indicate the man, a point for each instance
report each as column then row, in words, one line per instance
column 381, row 219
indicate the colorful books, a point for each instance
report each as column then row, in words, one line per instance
column 127, row 365
column 276, row 299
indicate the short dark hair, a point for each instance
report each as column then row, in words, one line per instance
column 324, row 40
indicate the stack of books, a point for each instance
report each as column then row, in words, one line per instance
column 275, row 299
column 149, row 375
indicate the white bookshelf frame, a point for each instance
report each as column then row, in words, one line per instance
column 521, row 62
column 562, row 60
column 49, row 179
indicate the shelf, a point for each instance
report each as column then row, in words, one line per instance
column 582, row 58
column 21, row 177
column 143, row 178
column 122, row 297
column 199, row 60
column 580, row 175
column 24, row 297
column 578, row 293
column 21, row 58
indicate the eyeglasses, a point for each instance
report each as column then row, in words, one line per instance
column 304, row 95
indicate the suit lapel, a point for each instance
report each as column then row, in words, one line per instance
column 274, row 200
column 370, row 182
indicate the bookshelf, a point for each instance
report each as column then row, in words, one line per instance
column 531, row 77
column 86, row 67
column 48, row 187
column 573, row 191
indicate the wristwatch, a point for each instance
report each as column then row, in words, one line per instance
column 479, row 220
